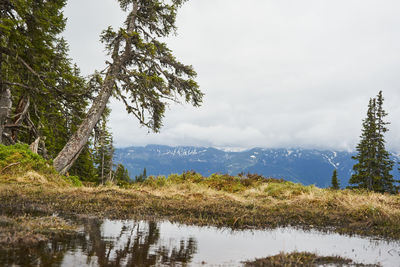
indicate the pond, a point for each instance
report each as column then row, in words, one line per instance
column 143, row 243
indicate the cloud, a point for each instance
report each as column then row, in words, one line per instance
column 275, row 73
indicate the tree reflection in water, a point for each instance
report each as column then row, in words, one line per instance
column 137, row 244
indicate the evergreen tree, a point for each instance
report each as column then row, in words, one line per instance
column 373, row 167
column 384, row 163
column 42, row 94
column 104, row 149
column 122, row 175
column 335, row 181
column 142, row 72
column 141, row 177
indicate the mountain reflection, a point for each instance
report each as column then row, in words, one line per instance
column 132, row 244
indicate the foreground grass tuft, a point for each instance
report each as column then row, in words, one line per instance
column 302, row 259
column 20, row 165
column 28, row 231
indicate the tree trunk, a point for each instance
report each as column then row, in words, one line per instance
column 68, row 155
column 66, row 158
column 5, row 107
column 34, row 147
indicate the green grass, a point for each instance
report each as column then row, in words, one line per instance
column 18, row 164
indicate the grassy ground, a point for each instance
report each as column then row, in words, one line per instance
column 301, row 259
column 27, row 231
column 238, row 202
column 30, row 186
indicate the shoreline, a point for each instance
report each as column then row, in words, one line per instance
column 258, row 206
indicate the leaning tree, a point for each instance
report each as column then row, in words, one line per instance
column 142, row 72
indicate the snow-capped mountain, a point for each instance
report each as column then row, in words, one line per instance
column 307, row 166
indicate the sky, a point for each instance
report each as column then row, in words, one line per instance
column 275, row 73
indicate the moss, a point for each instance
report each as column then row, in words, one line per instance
column 19, row 164
column 18, row 158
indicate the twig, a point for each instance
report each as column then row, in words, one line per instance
column 9, row 166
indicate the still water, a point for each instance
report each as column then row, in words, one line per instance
column 141, row 243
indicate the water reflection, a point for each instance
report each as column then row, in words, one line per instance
column 135, row 244
column 140, row 243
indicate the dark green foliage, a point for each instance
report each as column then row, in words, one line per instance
column 335, row 181
column 142, row 72
column 121, row 175
column 150, row 75
column 103, row 149
column 373, row 167
column 48, row 94
column 142, row 177
column 84, row 167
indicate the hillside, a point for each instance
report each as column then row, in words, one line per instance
column 304, row 166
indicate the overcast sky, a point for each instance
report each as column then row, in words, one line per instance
column 276, row 73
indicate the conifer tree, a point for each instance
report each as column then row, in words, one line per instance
column 104, row 149
column 142, row 72
column 122, row 175
column 385, row 164
column 335, row 181
column 373, row 167
column 42, row 94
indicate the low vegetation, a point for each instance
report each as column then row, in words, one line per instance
column 32, row 188
column 28, row 231
column 302, row 259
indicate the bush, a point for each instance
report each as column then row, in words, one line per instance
column 74, row 180
column 287, row 189
column 153, row 181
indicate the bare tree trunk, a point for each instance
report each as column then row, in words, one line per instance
column 34, row 147
column 5, row 107
column 68, row 155
column 21, row 113
column 66, row 158
column 102, row 161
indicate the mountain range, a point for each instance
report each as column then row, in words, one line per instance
column 306, row 166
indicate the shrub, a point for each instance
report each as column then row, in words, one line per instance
column 287, row 189
column 74, row 180
column 153, row 181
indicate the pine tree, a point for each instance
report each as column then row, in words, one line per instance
column 335, row 181
column 373, row 167
column 122, row 175
column 42, row 94
column 104, row 149
column 142, row 72
column 141, row 177
column 385, row 164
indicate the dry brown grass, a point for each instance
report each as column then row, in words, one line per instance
column 302, row 259
column 259, row 205
column 28, row 231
